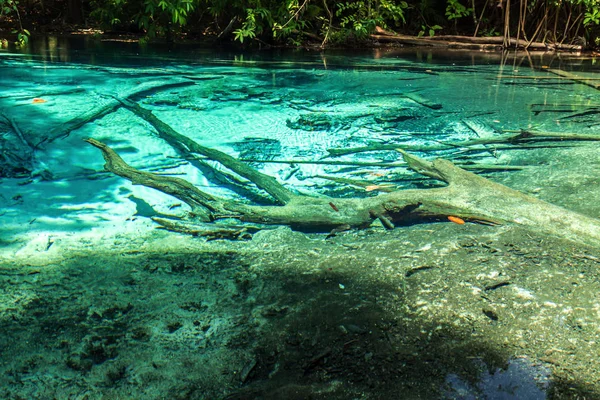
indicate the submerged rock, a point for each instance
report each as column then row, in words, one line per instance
column 252, row 148
column 318, row 121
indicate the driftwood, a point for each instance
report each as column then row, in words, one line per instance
column 471, row 166
column 515, row 137
column 467, row 196
column 542, row 77
column 16, row 154
column 574, row 77
column 106, row 108
column 473, row 43
column 417, row 98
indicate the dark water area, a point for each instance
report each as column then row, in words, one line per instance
column 97, row 303
column 99, row 51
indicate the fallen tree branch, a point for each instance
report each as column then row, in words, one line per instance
column 467, row 196
column 468, row 166
column 417, row 98
column 469, row 42
column 208, row 231
column 200, row 202
column 181, row 142
column 516, row 136
column 106, row 108
column 16, row 153
column 573, row 77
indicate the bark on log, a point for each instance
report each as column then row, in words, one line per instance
column 101, row 110
column 467, row 196
column 181, row 142
column 478, row 43
column 520, row 136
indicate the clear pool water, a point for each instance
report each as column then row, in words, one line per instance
column 273, row 108
column 96, row 303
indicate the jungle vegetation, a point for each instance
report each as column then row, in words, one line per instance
column 296, row 22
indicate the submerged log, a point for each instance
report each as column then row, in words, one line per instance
column 574, row 77
column 515, row 137
column 16, row 154
column 106, row 108
column 417, row 98
column 466, row 196
column 183, row 144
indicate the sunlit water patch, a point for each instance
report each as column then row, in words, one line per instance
column 284, row 116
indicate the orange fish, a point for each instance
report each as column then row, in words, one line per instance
column 456, row 220
column 37, row 100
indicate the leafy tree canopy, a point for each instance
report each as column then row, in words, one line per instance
column 293, row 22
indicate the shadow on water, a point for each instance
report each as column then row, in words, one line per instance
column 96, row 50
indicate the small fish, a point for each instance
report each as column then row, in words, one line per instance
column 370, row 188
column 37, row 100
column 334, row 207
column 456, row 220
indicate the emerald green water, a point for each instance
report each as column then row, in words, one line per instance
column 97, row 303
column 265, row 106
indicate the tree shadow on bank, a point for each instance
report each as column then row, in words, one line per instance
column 340, row 318
column 337, row 343
column 356, row 326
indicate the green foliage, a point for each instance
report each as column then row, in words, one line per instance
column 362, row 17
column 392, row 11
column 290, row 19
column 257, row 19
column 293, row 21
column 591, row 20
column 489, row 32
column 592, row 17
column 8, row 8
column 109, row 12
column 155, row 17
column 22, row 37
column 429, row 29
column 455, row 10
column 293, row 17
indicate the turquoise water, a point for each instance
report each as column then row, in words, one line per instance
column 265, row 106
column 96, row 303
